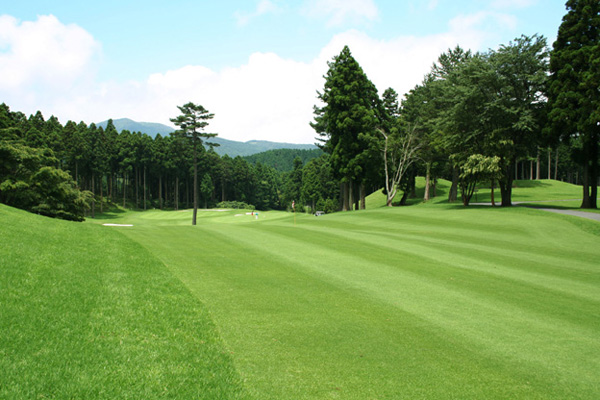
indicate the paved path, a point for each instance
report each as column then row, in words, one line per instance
column 583, row 214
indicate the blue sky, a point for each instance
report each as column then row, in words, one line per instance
column 256, row 64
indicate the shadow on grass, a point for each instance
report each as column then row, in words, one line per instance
column 530, row 184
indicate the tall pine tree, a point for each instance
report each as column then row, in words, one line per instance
column 573, row 93
column 347, row 121
column 192, row 121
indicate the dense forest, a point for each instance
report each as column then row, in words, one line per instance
column 518, row 112
column 76, row 169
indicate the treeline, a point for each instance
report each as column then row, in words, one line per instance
column 76, row 169
column 518, row 112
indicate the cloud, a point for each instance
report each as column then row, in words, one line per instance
column 45, row 54
column 263, row 7
column 483, row 21
column 268, row 97
column 338, row 12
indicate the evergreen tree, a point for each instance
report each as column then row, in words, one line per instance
column 347, row 120
column 573, row 95
column 192, row 121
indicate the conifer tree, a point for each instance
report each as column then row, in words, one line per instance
column 347, row 120
column 573, row 94
column 192, row 121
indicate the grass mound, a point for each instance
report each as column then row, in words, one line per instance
column 87, row 313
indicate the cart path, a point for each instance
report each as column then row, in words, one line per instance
column 582, row 214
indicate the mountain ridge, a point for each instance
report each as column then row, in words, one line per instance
column 232, row 148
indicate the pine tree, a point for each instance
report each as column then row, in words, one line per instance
column 347, row 121
column 573, row 94
column 192, row 121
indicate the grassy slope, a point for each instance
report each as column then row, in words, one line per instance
column 541, row 193
column 87, row 313
column 430, row 301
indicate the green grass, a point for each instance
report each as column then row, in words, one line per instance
column 87, row 313
column 420, row 302
column 429, row 301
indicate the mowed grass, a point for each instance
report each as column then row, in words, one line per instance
column 428, row 301
column 87, row 313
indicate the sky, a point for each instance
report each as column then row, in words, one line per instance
column 256, row 64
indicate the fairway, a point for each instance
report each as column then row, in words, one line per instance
column 428, row 301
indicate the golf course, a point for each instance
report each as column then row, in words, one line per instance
column 428, row 301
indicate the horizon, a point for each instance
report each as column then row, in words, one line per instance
column 256, row 65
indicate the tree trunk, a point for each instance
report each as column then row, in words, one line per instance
column 453, row 193
column 426, row 197
column 93, row 199
column 101, row 198
column 404, row 197
column 492, row 193
column 350, row 196
column 530, row 170
column 363, row 201
column 144, row 187
column 137, row 187
column 549, row 162
column 506, row 187
column 537, row 166
column 586, row 203
column 176, row 193
column 160, row 199
column 344, row 194
column 124, row 188
column 556, row 165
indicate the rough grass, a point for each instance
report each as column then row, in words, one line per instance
column 87, row 313
column 430, row 301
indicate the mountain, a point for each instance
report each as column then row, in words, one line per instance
column 230, row 147
column 149, row 128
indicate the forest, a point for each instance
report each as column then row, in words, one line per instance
column 521, row 111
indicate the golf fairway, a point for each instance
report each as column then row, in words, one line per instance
column 428, row 301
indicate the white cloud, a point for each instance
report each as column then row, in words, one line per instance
column 482, row 21
column 432, row 5
column 44, row 54
column 268, row 97
column 263, row 7
column 337, row 12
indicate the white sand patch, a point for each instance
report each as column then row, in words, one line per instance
column 117, row 224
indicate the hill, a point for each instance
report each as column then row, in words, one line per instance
column 232, row 148
column 149, row 128
column 283, row 159
column 88, row 313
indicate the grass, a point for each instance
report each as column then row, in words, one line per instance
column 87, row 313
column 427, row 301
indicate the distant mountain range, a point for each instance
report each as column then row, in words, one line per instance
column 230, row 147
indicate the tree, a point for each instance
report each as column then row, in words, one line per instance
column 517, row 106
column 399, row 153
column 574, row 99
column 192, row 121
column 206, row 188
column 293, row 184
column 476, row 169
column 347, row 121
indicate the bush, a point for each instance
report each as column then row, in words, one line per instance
column 235, row 205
